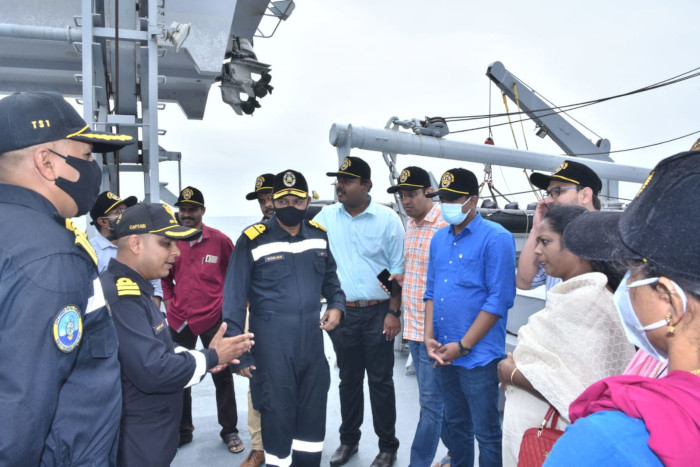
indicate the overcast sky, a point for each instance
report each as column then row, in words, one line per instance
column 364, row 61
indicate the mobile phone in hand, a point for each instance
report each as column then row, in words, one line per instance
column 384, row 279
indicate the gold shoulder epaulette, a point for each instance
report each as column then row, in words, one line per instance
column 254, row 230
column 127, row 287
column 81, row 240
column 317, row 225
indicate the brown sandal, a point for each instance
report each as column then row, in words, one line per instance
column 234, row 443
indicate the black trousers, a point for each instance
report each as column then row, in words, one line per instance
column 361, row 347
column 223, row 382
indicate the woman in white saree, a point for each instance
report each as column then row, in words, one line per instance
column 576, row 340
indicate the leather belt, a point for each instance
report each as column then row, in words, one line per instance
column 364, row 303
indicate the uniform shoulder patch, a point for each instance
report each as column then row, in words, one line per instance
column 317, row 225
column 68, row 328
column 127, row 287
column 254, row 230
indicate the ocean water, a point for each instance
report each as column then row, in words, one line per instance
column 231, row 225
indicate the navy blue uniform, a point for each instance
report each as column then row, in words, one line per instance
column 283, row 277
column 153, row 372
column 60, row 402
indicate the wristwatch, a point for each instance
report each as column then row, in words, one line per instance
column 396, row 313
column 462, row 349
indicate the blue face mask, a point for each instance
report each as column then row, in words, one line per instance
column 452, row 213
column 636, row 333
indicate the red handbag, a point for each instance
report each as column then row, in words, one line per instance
column 537, row 442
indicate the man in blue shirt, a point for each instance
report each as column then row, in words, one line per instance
column 365, row 238
column 469, row 289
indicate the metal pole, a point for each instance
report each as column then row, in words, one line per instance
column 345, row 137
column 150, row 113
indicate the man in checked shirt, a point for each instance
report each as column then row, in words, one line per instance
column 424, row 220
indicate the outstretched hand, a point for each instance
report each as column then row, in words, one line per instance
column 228, row 349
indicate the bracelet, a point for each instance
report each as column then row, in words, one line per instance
column 513, row 374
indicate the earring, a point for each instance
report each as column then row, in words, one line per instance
column 670, row 329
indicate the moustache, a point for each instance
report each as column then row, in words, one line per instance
column 186, row 219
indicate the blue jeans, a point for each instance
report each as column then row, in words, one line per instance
column 471, row 409
column 431, row 425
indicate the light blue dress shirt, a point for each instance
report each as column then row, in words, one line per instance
column 106, row 250
column 363, row 246
column 468, row 273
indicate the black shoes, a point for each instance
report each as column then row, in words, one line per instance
column 384, row 459
column 343, row 453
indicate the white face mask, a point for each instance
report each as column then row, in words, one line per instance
column 452, row 213
column 636, row 333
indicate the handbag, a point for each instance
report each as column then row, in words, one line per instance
column 537, row 442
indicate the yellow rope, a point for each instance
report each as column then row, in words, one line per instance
column 505, row 102
column 517, row 101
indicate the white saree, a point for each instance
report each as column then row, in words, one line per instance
column 576, row 340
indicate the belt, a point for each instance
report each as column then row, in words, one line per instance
column 364, row 303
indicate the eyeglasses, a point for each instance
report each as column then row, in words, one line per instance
column 409, row 194
column 116, row 213
column 556, row 191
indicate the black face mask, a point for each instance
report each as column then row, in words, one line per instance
column 84, row 192
column 290, row 216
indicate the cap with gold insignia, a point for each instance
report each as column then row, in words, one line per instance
column 106, row 201
column 153, row 218
column 190, row 195
column 569, row 172
column 290, row 182
column 263, row 184
column 352, row 167
column 30, row 118
column 456, row 183
column 411, row 178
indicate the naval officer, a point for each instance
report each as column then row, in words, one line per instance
column 282, row 267
column 154, row 371
column 57, row 339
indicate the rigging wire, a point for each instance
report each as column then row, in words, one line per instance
column 642, row 147
column 552, row 104
column 549, row 111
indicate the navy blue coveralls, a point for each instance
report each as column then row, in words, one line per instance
column 153, row 375
column 60, row 401
column 283, row 277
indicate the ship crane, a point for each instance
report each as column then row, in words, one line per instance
column 550, row 122
column 428, row 140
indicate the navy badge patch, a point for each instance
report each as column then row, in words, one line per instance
column 68, row 328
column 289, row 179
column 404, row 175
column 447, row 179
column 259, row 182
column 187, row 193
column 346, row 163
